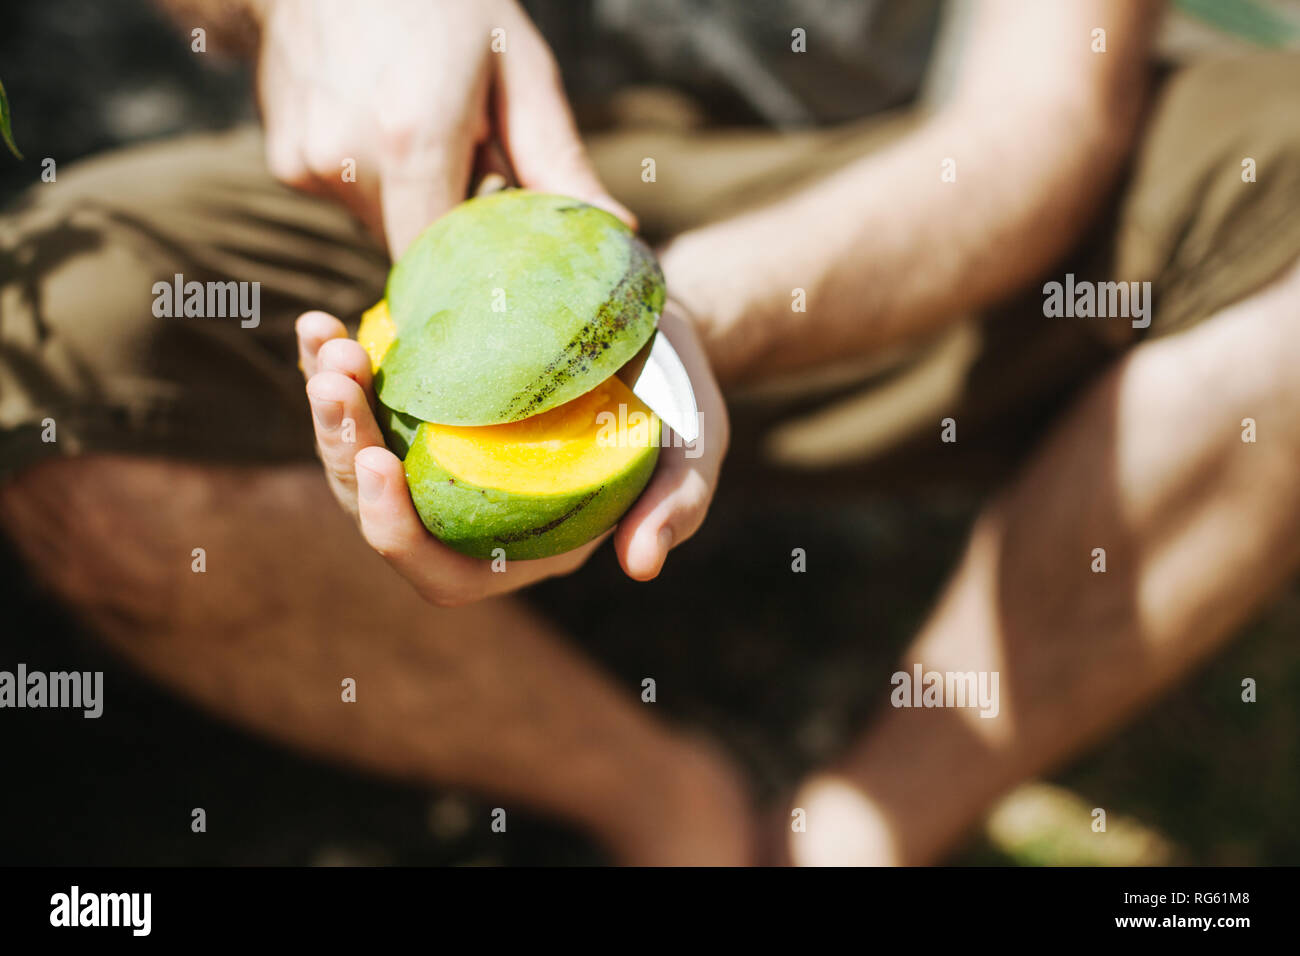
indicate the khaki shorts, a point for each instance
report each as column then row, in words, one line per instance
column 81, row 348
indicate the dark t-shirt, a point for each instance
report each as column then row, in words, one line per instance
column 738, row 57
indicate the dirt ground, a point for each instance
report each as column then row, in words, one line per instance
column 782, row 667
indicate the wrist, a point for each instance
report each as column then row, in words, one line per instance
column 683, row 285
column 704, row 288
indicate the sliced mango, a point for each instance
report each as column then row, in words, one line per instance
column 578, row 445
column 531, row 488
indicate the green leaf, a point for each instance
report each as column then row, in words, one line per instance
column 5, row 130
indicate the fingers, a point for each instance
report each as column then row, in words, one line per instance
column 314, row 330
column 284, row 125
column 674, row 504
column 426, row 140
column 347, row 356
column 668, row 512
column 388, row 517
column 366, row 477
column 344, row 423
column 392, row 527
column 414, row 194
column 538, row 130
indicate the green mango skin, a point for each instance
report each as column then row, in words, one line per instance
column 581, row 295
column 476, row 521
column 399, row 429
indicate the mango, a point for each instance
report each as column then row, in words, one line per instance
column 536, row 487
column 513, row 304
column 531, row 488
column 493, row 355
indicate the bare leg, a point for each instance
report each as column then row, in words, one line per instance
column 1199, row 529
column 485, row 697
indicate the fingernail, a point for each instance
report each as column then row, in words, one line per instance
column 327, row 414
column 370, row 484
column 665, row 540
column 325, row 357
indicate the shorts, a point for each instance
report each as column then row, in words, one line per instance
column 86, row 361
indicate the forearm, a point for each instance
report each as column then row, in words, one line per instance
column 887, row 250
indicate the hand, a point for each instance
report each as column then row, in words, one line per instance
column 408, row 90
column 674, row 504
column 370, row 482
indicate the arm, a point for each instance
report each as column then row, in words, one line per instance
column 408, row 91
column 1039, row 128
column 411, row 89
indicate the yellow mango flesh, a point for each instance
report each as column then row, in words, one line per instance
column 575, row 445
column 376, row 333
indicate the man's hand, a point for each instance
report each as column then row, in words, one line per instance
column 672, row 507
column 370, row 482
column 409, row 90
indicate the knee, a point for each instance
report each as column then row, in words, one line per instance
column 1234, row 371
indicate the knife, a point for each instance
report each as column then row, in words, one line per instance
column 657, row 376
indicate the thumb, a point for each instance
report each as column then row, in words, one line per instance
column 538, row 130
column 416, row 190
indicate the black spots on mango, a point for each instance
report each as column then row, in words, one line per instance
column 638, row 290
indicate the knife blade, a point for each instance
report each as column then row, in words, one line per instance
column 657, row 376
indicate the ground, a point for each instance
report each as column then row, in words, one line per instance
column 779, row 665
